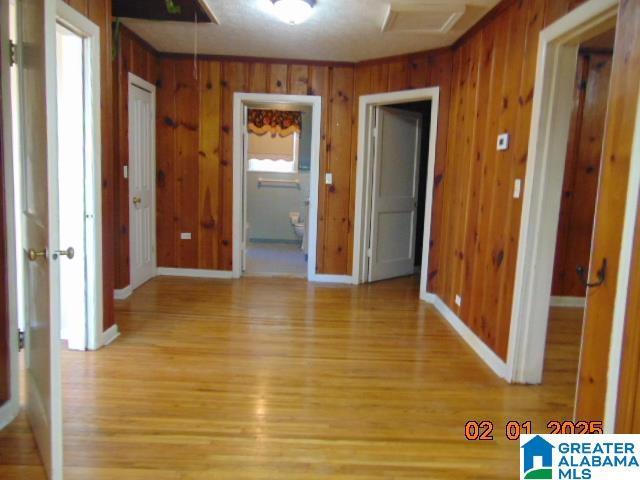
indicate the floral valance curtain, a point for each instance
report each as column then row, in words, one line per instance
column 278, row 122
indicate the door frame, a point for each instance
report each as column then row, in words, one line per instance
column 551, row 117
column 364, row 178
column 134, row 80
column 240, row 101
column 90, row 33
column 11, row 409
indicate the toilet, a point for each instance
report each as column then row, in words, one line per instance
column 298, row 226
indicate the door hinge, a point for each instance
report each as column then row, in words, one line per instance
column 21, row 340
column 13, row 53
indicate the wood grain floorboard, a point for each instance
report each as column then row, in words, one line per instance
column 280, row 379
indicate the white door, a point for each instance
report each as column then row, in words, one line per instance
column 37, row 80
column 394, row 193
column 141, row 184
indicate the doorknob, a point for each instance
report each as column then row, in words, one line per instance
column 35, row 255
column 69, row 253
column 137, row 200
column 602, row 275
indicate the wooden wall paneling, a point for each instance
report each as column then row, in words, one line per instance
column 398, row 75
column 517, row 168
column 187, row 162
column 298, row 79
column 337, row 228
column 482, row 147
column 380, row 78
column 234, row 79
column 465, row 177
column 440, row 72
column 418, row 74
column 278, row 78
column 258, row 76
column 81, row 6
column 319, row 83
column 166, row 206
column 628, row 414
column 209, row 164
column 578, row 208
column 614, row 174
column 560, row 272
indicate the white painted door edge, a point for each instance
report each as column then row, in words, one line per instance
column 239, row 102
column 555, row 77
column 363, row 166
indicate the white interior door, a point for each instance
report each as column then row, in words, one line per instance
column 394, row 193
column 37, row 79
column 141, row 184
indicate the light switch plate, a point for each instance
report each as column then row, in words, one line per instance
column 503, row 141
column 458, row 300
column 517, row 188
column 328, row 178
column 185, row 236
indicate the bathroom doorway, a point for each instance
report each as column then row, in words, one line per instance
column 277, row 156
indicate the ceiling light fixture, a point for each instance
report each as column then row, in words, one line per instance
column 293, row 12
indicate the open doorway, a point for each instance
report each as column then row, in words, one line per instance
column 578, row 207
column 78, row 182
column 275, row 186
column 277, row 180
column 394, row 184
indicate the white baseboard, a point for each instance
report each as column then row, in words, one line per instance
column 110, row 334
column 489, row 357
column 123, row 293
column 8, row 412
column 324, row 278
column 569, row 302
column 194, row 272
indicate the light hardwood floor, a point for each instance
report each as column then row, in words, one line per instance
column 280, row 379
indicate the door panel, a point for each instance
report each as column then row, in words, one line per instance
column 5, row 352
column 142, row 255
column 394, row 194
column 36, row 23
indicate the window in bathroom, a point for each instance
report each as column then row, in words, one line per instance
column 271, row 152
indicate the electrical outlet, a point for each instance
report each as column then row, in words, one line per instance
column 185, row 236
column 458, row 300
column 328, row 178
column 503, row 141
column 517, row 188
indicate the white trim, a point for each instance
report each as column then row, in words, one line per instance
column 110, row 334
column 90, row 34
column 194, row 273
column 624, row 274
column 11, row 408
column 488, row 356
column 122, row 293
column 551, row 116
column 326, row 278
column 362, row 209
column 240, row 101
column 134, row 80
column 568, row 302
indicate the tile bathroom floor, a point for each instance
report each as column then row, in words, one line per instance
column 285, row 259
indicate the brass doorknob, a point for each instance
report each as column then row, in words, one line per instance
column 137, row 200
column 34, row 255
column 69, row 253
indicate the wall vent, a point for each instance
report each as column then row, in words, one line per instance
column 412, row 17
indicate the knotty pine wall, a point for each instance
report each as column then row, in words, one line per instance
column 99, row 12
column 137, row 57
column 195, row 143
column 582, row 169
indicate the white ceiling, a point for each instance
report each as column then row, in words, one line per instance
column 339, row 30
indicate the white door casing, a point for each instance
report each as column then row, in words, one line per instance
column 142, row 253
column 37, row 79
column 394, row 193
